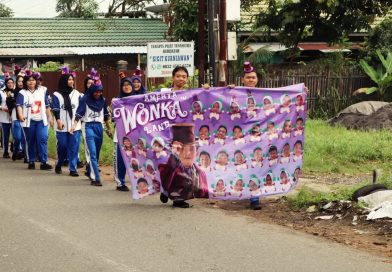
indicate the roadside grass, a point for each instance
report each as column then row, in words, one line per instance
column 307, row 197
column 338, row 150
column 327, row 149
column 106, row 155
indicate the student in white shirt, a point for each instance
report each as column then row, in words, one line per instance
column 65, row 101
column 34, row 114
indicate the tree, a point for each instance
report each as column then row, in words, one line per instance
column 77, row 8
column 382, row 75
column 323, row 20
column 122, row 7
column 184, row 19
column 5, row 11
column 380, row 38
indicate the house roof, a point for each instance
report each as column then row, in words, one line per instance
column 248, row 18
column 378, row 20
column 320, row 46
column 72, row 51
column 303, row 46
column 69, row 33
column 272, row 47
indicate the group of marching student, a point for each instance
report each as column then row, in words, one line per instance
column 9, row 116
column 28, row 109
column 25, row 107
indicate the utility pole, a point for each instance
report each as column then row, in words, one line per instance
column 211, row 42
column 223, row 44
column 200, row 40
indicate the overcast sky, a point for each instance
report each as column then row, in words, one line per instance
column 40, row 8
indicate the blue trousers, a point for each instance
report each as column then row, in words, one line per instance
column 68, row 148
column 37, row 136
column 18, row 136
column 254, row 200
column 6, row 128
column 119, row 166
column 93, row 143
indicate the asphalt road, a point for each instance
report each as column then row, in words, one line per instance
column 57, row 223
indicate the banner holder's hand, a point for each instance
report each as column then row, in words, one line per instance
column 72, row 129
column 205, row 86
column 60, row 125
column 51, row 122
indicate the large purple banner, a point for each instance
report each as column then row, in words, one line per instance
column 219, row 143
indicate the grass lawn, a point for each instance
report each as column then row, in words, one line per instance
column 338, row 150
column 327, row 149
column 106, row 155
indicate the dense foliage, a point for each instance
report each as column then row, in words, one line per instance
column 322, row 20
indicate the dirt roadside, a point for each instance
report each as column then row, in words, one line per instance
column 374, row 237
column 371, row 236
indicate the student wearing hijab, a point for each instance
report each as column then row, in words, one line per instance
column 6, row 88
column 126, row 89
column 136, row 79
column 64, row 104
column 34, row 114
column 93, row 111
column 17, row 132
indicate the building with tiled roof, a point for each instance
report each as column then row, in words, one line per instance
column 378, row 20
column 78, row 41
column 246, row 28
column 248, row 17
